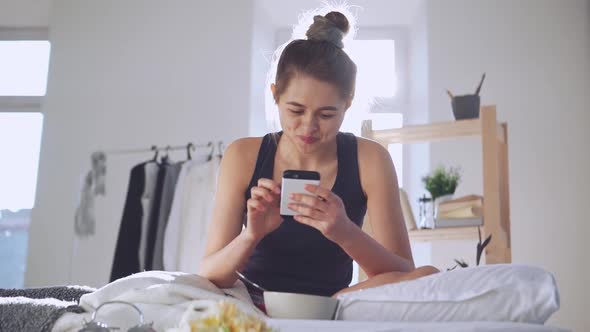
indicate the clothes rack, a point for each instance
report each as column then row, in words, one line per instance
column 156, row 149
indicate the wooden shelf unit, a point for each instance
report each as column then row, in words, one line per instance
column 496, row 202
column 438, row 234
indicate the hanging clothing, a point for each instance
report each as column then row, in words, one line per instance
column 93, row 185
column 126, row 260
column 298, row 258
column 168, row 188
column 160, row 208
column 186, row 231
column 147, row 200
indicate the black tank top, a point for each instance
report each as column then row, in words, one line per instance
column 296, row 257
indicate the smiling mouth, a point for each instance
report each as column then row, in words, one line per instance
column 308, row 139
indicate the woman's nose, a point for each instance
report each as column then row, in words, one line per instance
column 311, row 122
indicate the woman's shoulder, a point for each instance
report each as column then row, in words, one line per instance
column 245, row 148
column 239, row 160
column 370, row 150
column 245, row 143
column 373, row 158
column 375, row 164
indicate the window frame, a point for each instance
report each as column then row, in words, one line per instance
column 22, row 103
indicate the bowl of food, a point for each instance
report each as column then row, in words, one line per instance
column 299, row 306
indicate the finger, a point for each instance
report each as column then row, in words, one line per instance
column 321, row 192
column 307, row 211
column 270, row 185
column 254, row 204
column 261, row 193
column 315, row 202
column 307, row 221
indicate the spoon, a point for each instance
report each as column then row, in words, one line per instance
column 249, row 282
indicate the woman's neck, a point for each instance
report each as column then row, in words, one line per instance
column 290, row 155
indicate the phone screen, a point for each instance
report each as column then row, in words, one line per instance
column 294, row 182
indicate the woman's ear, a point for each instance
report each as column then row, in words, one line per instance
column 273, row 89
column 348, row 102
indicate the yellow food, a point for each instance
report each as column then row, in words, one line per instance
column 229, row 319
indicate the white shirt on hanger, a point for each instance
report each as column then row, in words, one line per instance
column 186, row 231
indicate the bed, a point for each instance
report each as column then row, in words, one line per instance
column 487, row 298
column 285, row 325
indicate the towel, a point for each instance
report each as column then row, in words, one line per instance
column 163, row 297
column 37, row 309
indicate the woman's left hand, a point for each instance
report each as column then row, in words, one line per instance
column 322, row 210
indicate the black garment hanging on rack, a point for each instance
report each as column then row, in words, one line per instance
column 150, row 218
column 126, row 260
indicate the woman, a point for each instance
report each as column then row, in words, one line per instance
column 313, row 251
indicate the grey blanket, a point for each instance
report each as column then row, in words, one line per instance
column 37, row 309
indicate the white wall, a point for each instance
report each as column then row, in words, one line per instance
column 263, row 46
column 537, row 57
column 417, row 156
column 24, row 13
column 128, row 75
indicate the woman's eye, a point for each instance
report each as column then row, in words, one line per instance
column 296, row 111
column 327, row 116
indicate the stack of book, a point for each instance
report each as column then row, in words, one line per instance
column 460, row 212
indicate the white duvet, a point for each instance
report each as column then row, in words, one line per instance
column 163, row 297
column 494, row 293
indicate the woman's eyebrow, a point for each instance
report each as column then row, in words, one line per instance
column 323, row 108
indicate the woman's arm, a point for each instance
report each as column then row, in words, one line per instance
column 228, row 248
column 389, row 249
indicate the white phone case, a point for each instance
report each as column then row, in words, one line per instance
column 293, row 186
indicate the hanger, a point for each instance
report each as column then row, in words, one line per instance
column 155, row 149
column 220, row 149
column 210, row 144
column 189, row 147
column 165, row 158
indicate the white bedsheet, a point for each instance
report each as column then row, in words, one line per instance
column 286, row 325
column 165, row 297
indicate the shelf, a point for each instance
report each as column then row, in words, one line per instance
column 496, row 191
column 431, row 132
column 449, row 233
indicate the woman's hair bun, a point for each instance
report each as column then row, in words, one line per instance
column 339, row 20
column 330, row 28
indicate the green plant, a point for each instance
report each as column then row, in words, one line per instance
column 442, row 181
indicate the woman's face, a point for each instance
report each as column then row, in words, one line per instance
column 311, row 112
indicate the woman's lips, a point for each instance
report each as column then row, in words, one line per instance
column 308, row 139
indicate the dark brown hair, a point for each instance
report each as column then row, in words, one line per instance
column 320, row 56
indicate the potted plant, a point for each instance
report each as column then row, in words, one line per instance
column 441, row 183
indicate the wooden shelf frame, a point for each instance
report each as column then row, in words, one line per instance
column 496, row 203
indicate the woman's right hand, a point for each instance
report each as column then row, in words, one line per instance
column 263, row 214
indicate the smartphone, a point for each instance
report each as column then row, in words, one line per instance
column 294, row 182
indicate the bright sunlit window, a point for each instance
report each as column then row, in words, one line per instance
column 20, row 141
column 23, row 80
column 23, row 67
column 376, row 78
column 376, row 75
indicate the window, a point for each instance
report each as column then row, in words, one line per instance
column 23, row 80
column 376, row 87
column 23, row 65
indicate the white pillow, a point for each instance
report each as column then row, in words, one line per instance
column 500, row 292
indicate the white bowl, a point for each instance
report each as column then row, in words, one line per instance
column 299, row 306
